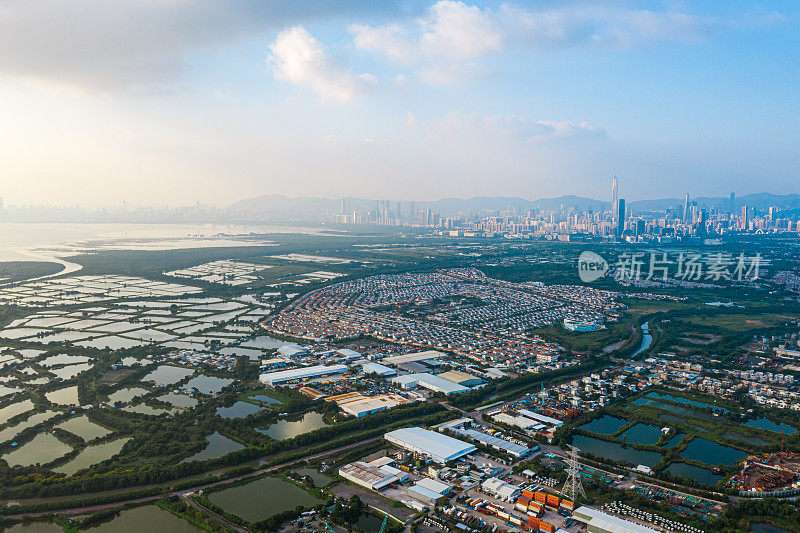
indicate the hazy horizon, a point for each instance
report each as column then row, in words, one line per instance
column 158, row 103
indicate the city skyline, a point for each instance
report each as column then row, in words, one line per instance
column 147, row 103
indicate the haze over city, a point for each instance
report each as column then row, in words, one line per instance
column 399, row 266
column 155, row 103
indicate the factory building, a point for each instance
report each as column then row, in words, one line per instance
column 300, row 374
column 415, row 357
column 355, row 404
column 541, row 418
column 437, row 447
column 430, row 382
column 518, row 421
column 429, row 491
column 367, row 475
column 502, row 490
column 462, row 378
column 379, row 369
column 598, row 521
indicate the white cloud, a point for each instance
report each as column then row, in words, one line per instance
column 446, row 41
column 410, row 120
column 508, row 128
column 599, row 26
column 392, row 40
column 105, row 45
column 454, row 31
column 450, row 41
column 300, row 59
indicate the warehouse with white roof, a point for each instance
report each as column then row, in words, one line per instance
column 427, row 355
column 428, row 381
column 541, row 418
column 306, row 372
column 379, row 369
column 437, row 447
column 368, row 475
column 598, row 521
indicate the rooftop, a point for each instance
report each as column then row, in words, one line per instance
column 431, row 443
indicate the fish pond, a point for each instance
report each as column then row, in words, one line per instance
column 605, row 425
column 84, row 428
column 711, row 453
column 769, row 425
column 43, row 449
column 701, row 475
column 148, row 518
column 285, row 429
column 167, row 375
column 615, row 452
column 641, row 434
column 91, row 455
column 218, row 445
column 66, row 396
column 208, row 384
column 239, row 410
column 262, row 498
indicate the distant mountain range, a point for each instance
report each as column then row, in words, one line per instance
column 279, row 205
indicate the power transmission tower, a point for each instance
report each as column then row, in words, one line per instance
column 573, row 485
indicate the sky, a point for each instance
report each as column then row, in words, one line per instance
column 169, row 102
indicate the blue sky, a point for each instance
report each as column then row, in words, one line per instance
column 171, row 101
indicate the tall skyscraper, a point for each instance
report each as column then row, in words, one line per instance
column 686, row 208
column 614, row 199
column 620, row 216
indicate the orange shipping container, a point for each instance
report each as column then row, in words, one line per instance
column 532, row 520
column 553, row 500
column 527, row 494
column 547, row 527
column 540, row 496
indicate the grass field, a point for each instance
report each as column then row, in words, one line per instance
column 740, row 322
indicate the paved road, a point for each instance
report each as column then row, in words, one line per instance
column 180, row 493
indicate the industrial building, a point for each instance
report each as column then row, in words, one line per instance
column 437, row 447
column 367, row 475
column 429, row 490
column 541, row 418
column 598, row 521
column 518, row 421
column 426, row 355
column 376, row 368
column 517, row 450
column 293, row 350
column 357, row 405
column 430, row 382
column 502, row 490
column 302, row 373
column 462, row 378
